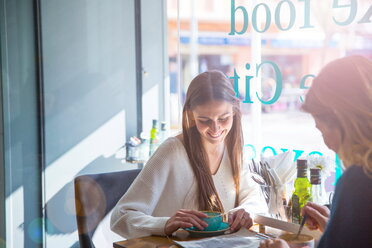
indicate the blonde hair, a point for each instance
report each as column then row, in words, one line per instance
column 208, row 86
column 341, row 97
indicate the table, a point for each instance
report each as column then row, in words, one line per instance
column 164, row 242
column 273, row 226
column 153, row 241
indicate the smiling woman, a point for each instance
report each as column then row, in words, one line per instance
column 210, row 98
column 200, row 169
column 213, row 120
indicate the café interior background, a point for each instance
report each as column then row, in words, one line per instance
column 80, row 77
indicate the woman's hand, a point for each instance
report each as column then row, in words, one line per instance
column 185, row 218
column 317, row 216
column 239, row 219
column 276, row 243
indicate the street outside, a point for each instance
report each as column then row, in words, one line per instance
column 289, row 130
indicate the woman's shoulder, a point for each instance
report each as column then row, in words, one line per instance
column 350, row 207
column 356, row 174
column 170, row 150
column 354, row 183
column 164, row 159
column 176, row 140
column 173, row 143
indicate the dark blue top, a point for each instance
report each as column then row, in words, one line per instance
column 350, row 223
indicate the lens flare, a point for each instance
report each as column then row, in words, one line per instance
column 35, row 230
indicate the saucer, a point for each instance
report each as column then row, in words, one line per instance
column 195, row 233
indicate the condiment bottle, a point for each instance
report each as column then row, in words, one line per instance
column 317, row 190
column 154, row 136
column 302, row 192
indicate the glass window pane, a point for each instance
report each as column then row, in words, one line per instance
column 289, row 41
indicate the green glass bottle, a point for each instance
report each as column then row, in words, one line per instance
column 154, row 136
column 302, row 192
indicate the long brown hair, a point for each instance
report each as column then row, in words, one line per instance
column 341, row 97
column 206, row 87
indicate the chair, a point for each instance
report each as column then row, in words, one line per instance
column 95, row 196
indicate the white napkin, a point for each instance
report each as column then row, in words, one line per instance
column 283, row 170
column 282, row 166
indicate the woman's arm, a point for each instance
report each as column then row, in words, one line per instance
column 161, row 199
column 250, row 201
column 133, row 214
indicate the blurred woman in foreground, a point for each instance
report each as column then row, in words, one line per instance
column 340, row 101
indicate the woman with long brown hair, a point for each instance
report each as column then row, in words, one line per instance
column 200, row 169
column 340, row 101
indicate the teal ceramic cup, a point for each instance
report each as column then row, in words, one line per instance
column 213, row 220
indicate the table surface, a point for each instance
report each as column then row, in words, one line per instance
column 164, row 242
column 153, row 241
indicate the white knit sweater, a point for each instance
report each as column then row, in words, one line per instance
column 167, row 184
